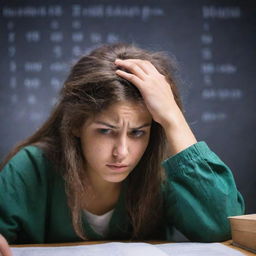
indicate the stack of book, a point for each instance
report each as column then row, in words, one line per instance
column 243, row 230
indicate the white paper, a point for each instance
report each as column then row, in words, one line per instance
column 130, row 249
column 198, row 249
column 107, row 249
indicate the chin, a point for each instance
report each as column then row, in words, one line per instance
column 116, row 178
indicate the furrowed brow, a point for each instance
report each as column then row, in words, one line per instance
column 116, row 127
column 106, row 124
column 142, row 126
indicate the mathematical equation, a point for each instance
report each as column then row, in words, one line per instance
column 211, row 67
column 43, row 41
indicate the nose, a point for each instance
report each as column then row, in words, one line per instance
column 120, row 150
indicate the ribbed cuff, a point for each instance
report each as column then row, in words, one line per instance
column 197, row 150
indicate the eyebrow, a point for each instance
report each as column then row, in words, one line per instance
column 116, row 127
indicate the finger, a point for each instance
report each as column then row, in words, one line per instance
column 145, row 65
column 132, row 67
column 130, row 77
column 4, row 247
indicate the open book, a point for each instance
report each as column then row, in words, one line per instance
column 131, row 249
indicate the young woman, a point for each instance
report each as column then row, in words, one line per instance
column 93, row 170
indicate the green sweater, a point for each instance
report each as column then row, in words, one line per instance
column 199, row 195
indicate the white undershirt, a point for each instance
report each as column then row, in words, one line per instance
column 99, row 223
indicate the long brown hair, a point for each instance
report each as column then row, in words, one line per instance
column 91, row 87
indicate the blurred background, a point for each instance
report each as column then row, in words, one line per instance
column 214, row 43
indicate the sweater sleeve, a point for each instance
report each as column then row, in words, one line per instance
column 23, row 197
column 200, row 193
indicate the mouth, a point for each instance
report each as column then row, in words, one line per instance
column 118, row 168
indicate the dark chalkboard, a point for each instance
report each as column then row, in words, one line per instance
column 213, row 41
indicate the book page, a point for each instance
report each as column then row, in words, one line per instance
column 107, row 249
column 130, row 249
column 198, row 249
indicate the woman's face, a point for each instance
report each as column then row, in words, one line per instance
column 114, row 141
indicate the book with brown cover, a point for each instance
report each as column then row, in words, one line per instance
column 243, row 229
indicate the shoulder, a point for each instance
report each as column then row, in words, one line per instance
column 28, row 166
column 26, row 183
column 28, row 152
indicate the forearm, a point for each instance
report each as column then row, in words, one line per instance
column 200, row 194
column 178, row 132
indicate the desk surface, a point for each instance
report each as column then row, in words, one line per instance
column 227, row 243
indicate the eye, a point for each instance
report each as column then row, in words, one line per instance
column 137, row 133
column 104, row 131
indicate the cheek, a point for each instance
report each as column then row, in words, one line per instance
column 93, row 148
column 138, row 149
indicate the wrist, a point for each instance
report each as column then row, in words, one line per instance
column 173, row 120
column 178, row 133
